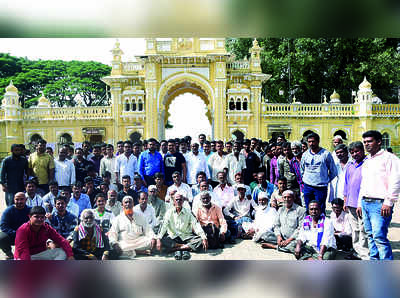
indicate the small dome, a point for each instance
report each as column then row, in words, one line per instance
column 11, row 87
column 335, row 97
column 365, row 84
column 43, row 101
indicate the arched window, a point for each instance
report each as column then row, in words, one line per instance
column 341, row 133
column 245, row 104
column 385, row 140
column 238, row 104
column 231, row 104
column 126, row 105
column 133, row 105
column 140, row 105
column 135, row 137
column 238, row 135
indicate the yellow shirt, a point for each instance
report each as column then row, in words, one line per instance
column 40, row 165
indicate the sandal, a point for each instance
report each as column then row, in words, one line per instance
column 186, row 255
column 178, row 255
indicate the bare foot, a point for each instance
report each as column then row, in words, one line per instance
column 268, row 245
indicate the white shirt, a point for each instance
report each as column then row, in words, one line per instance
column 336, row 186
column 234, row 166
column 195, row 164
column 64, row 172
column 126, row 166
column 217, row 164
column 182, row 188
column 108, row 164
column 148, row 213
column 342, row 223
column 310, row 236
column 35, row 201
column 264, row 221
column 241, row 207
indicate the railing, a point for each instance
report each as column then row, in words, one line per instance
column 70, row 113
column 238, row 65
column 131, row 66
column 308, row 110
column 385, row 109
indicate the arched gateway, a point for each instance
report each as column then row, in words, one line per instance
column 176, row 66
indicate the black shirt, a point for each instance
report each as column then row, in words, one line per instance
column 172, row 162
column 12, row 173
column 131, row 193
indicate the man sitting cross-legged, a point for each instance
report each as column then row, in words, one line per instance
column 130, row 234
column 316, row 239
column 287, row 225
column 176, row 231
column 31, row 239
column 261, row 229
column 90, row 241
column 212, row 221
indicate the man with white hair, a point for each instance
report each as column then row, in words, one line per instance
column 337, row 140
column 287, row 224
column 158, row 205
column 130, row 234
column 264, row 220
column 90, row 241
column 176, row 233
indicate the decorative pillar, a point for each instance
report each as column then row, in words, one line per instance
column 153, row 109
column 219, row 101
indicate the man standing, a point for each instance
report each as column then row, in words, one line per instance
column 64, row 169
column 202, row 140
column 12, row 218
column 343, row 161
column 295, row 167
column 318, row 169
column 252, row 162
column 107, row 163
column 41, row 165
column 274, row 169
column 196, row 162
column 81, row 165
column 285, row 170
column 150, row 162
column 31, row 238
column 13, row 169
column 380, row 188
column 235, row 162
column 96, row 158
column 217, row 163
column 351, row 191
column 126, row 163
column 174, row 161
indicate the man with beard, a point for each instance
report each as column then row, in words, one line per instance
column 158, row 205
column 212, row 221
column 316, row 240
column 295, row 165
column 235, row 162
column 12, row 218
column 147, row 211
column 13, row 169
column 113, row 204
column 176, row 233
column 287, row 225
column 150, row 162
column 41, row 165
column 130, row 233
column 261, row 229
column 318, row 169
column 90, row 242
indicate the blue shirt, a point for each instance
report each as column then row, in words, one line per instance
column 83, row 202
column 269, row 189
column 318, row 169
column 149, row 164
column 12, row 219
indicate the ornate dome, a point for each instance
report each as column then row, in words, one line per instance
column 335, row 97
column 43, row 101
column 365, row 84
column 11, row 88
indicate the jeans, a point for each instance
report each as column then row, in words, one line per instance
column 376, row 226
column 315, row 193
column 9, row 197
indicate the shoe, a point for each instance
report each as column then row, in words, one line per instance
column 186, row 255
column 232, row 241
column 178, row 255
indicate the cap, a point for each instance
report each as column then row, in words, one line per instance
column 240, row 186
column 263, row 194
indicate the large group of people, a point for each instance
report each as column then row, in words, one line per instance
column 177, row 196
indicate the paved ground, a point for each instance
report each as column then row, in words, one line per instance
column 248, row 250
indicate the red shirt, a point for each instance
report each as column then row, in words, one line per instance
column 28, row 242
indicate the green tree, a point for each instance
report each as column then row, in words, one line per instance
column 310, row 68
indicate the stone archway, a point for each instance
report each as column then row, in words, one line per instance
column 180, row 84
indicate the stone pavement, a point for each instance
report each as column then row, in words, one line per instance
column 248, row 250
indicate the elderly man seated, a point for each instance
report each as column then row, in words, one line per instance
column 238, row 210
column 130, row 234
column 316, row 239
column 287, row 225
column 261, row 229
column 176, row 231
column 102, row 216
column 197, row 203
column 158, row 205
column 146, row 210
column 90, row 242
column 212, row 221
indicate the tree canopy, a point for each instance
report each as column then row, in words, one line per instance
column 62, row 82
column 320, row 66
